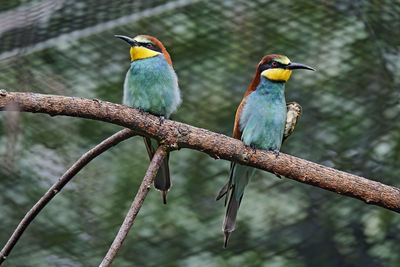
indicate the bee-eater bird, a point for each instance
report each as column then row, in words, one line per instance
column 152, row 86
column 260, row 123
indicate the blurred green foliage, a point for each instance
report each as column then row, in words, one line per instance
column 349, row 122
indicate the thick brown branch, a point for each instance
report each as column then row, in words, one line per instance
column 56, row 188
column 136, row 205
column 180, row 135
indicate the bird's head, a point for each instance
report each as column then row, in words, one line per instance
column 278, row 68
column 145, row 46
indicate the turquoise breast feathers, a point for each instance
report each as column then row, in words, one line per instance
column 152, row 85
column 262, row 121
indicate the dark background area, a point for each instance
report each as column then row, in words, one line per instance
column 350, row 122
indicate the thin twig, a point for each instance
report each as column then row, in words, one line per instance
column 67, row 176
column 136, row 205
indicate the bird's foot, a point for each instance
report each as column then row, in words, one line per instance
column 278, row 175
column 161, row 119
column 276, row 152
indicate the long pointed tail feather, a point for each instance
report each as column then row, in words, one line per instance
column 238, row 180
column 230, row 216
column 162, row 180
column 225, row 189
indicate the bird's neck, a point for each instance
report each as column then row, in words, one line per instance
column 270, row 88
column 149, row 64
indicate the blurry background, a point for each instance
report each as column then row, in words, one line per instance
column 349, row 122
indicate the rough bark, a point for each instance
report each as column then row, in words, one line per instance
column 179, row 135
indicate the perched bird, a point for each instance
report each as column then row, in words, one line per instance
column 260, row 123
column 152, row 86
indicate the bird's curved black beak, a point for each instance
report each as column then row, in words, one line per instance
column 127, row 39
column 294, row 65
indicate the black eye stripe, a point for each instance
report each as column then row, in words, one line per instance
column 276, row 64
column 151, row 46
column 272, row 65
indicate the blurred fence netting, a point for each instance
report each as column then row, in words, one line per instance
column 350, row 121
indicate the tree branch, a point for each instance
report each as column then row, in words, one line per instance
column 67, row 176
column 136, row 205
column 179, row 135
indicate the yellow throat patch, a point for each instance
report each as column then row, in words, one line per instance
column 140, row 52
column 277, row 74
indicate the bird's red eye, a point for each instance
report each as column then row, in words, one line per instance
column 149, row 45
column 274, row 64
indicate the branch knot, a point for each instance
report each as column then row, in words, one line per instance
column 3, row 92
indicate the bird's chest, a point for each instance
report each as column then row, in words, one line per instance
column 263, row 120
column 151, row 85
column 148, row 74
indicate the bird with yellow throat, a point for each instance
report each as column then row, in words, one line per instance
column 263, row 120
column 151, row 85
